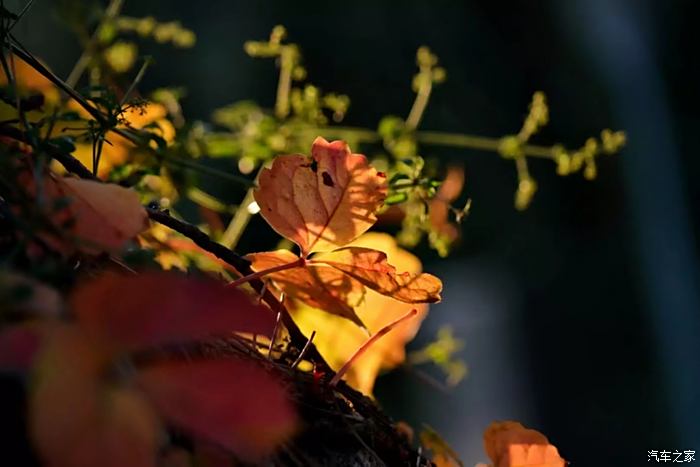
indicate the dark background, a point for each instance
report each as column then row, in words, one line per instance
column 580, row 315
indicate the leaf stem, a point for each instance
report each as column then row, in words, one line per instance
column 137, row 80
column 240, row 219
column 285, row 82
column 111, row 12
column 421, row 102
column 303, row 351
column 358, row 353
column 257, row 275
column 433, row 138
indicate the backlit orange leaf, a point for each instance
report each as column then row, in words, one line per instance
column 322, row 202
column 245, row 413
column 337, row 338
column 510, row 444
column 320, row 287
column 370, row 267
column 336, row 281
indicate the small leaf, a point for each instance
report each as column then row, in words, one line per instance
column 510, row 444
column 230, row 402
column 324, row 202
column 159, row 308
column 370, row 267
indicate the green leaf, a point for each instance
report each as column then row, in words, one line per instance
column 395, row 198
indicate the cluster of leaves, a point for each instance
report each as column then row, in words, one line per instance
column 119, row 352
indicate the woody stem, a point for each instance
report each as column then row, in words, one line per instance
column 257, row 275
column 358, row 353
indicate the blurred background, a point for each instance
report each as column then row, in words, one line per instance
column 581, row 315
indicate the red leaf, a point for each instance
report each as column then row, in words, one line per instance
column 230, row 402
column 158, row 308
column 19, row 345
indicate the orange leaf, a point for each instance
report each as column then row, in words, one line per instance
column 99, row 216
column 510, row 444
column 439, row 210
column 324, row 202
column 230, row 402
column 324, row 288
column 159, row 308
column 337, row 338
column 370, row 267
column 77, row 421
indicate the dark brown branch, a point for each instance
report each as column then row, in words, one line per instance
column 200, row 238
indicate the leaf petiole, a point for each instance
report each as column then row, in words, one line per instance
column 358, row 353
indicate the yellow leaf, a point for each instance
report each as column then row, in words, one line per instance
column 28, row 79
column 324, row 202
column 116, row 149
column 510, row 444
column 337, row 338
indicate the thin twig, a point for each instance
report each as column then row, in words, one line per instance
column 303, row 351
column 139, row 76
column 111, row 12
column 274, row 330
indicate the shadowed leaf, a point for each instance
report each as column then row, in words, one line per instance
column 370, row 267
column 324, row 288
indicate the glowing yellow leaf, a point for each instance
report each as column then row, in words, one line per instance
column 116, row 149
column 337, row 338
